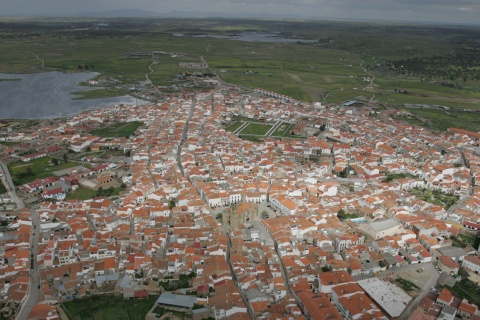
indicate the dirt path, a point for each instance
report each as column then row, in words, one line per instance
column 38, row 58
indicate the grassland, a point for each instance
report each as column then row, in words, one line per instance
column 25, row 172
column 82, row 193
column 331, row 70
column 108, row 307
column 444, row 119
column 120, row 129
column 99, row 93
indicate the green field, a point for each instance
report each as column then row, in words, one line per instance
column 121, row 129
column 444, row 119
column 25, row 172
column 256, row 129
column 234, row 126
column 99, row 93
column 108, row 307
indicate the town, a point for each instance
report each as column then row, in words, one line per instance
column 241, row 205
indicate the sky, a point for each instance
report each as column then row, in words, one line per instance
column 441, row 11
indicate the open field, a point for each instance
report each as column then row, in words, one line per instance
column 444, row 119
column 82, row 193
column 25, row 172
column 120, row 129
column 436, row 65
column 108, row 307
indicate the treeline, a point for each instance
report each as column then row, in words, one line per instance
column 463, row 64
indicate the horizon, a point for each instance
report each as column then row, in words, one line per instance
column 458, row 12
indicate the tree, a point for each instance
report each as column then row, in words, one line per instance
column 65, row 157
column 172, row 204
column 341, row 214
column 54, row 161
column 264, row 214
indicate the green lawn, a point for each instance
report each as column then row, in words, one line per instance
column 82, row 193
column 234, row 126
column 108, row 307
column 25, row 172
column 120, row 129
column 283, row 130
column 256, row 129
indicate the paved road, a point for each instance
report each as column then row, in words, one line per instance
column 33, row 292
column 8, row 183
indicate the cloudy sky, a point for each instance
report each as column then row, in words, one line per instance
column 447, row 11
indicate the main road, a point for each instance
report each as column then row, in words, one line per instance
column 33, row 292
column 8, row 183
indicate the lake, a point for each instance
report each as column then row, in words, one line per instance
column 48, row 95
column 254, row 37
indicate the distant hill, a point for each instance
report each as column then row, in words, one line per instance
column 137, row 13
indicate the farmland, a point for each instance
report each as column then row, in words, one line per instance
column 338, row 64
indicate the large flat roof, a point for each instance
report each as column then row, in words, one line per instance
column 390, row 297
column 177, row 300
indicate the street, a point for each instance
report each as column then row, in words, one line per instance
column 33, row 292
column 8, row 183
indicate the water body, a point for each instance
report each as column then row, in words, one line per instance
column 257, row 37
column 49, row 95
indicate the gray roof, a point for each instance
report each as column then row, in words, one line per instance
column 201, row 310
column 100, row 279
column 177, row 300
column 452, row 251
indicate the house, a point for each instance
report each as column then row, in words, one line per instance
column 472, row 263
column 447, row 265
column 33, row 156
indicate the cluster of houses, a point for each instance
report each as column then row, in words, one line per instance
column 277, row 229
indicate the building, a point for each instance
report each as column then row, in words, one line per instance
column 447, row 265
column 390, row 297
column 237, row 216
column 168, row 299
column 382, row 228
column 472, row 263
